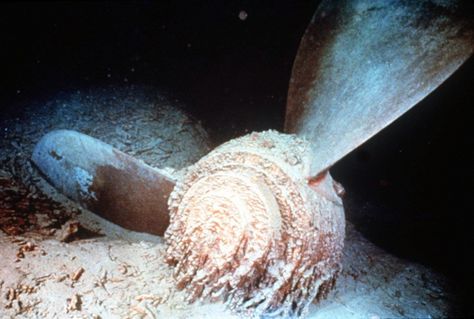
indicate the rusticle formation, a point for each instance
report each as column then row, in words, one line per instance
column 249, row 227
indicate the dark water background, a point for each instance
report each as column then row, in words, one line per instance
column 409, row 189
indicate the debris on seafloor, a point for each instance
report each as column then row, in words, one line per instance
column 123, row 274
column 115, row 278
column 73, row 230
column 74, row 303
column 77, row 274
column 24, row 209
column 25, row 247
column 68, row 231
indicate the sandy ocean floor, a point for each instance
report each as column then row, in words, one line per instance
column 58, row 260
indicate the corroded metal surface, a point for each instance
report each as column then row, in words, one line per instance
column 361, row 64
column 110, row 183
column 248, row 228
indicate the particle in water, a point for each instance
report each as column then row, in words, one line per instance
column 243, row 15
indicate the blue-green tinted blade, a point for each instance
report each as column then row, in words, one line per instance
column 362, row 63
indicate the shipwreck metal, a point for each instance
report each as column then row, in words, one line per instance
column 362, row 63
column 105, row 180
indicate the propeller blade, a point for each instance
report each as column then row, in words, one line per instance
column 362, row 63
column 105, row 180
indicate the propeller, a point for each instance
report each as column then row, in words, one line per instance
column 258, row 221
column 362, row 63
column 105, row 180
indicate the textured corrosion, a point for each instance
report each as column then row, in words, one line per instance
column 110, row 183
column 361, row 64
column 133, row 195
column 247, row 228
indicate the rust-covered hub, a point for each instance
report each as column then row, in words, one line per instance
column 247, row 228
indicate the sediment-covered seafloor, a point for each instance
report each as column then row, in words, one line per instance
column 58, row 260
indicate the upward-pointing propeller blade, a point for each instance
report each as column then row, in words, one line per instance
column 362, row 63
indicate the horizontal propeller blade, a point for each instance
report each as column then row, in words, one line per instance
column 105, row 180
